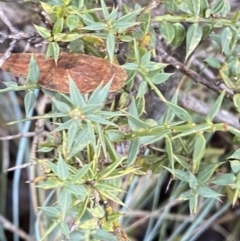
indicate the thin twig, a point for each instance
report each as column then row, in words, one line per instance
column 10, row 227
column 14, row 41
column 28, row 134
column 192, row 103
column 213, row 84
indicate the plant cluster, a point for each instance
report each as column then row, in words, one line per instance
column 101, row 143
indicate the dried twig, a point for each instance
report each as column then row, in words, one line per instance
column 28, row 134
column 14, row 41
column 9, row 226
column 211, row 83
column 191, row 103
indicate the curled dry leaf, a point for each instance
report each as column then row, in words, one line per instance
column 87, row 71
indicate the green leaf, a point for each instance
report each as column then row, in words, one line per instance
column 111, row 46
column 113, row 15
column 194, row 6
column 207, row 30
column 52, row 212
column 235, row 155
column 193, row 202
column 183, row 6
column 58, row 26
column 186, row 195
column 180, row 112
column 113, row 154
column 104, row 186
column 147, row 140
column 167, row 30
column 43, row 32
column 130, row 66
column 57, row 11
column 65, row 201
column 81, row 210
column 92, row 136
column 112, row 197
column 169, row 150
column 76, row 97
column 206, row 172
column 101, row 137
column 180, row 34
column 213, row 62
column 182, row 160
column 79, row 190
column 104, row 10
column 94, row 27
column 81, row 172
column 49, row 230
column 90, row 224
column 207, row 192
column 236, row 101
column 227, row 80
column 179, row 174
column 226, row 37
column 33, row 71
column 161, row 78
column 10, row 84
column 133, row 152
column 53, row 50
column 194, row 35
column 97, row 212
column 100, row 94
column 145, row 19
column 192, row 181
column 142, row 89
column 198, row 152
column 221, row 7
column 98, row 119
column 61, row 106
column 29, row 101
column 136, row 51
column 72, row 21
column 56, row 51
column 170, row 6
column 145, row 59
column 73, row 130
column 66, row 3
column 62, row 169
column 100, row 234
column 67, row 37
column 46, row 7
column 108, row 170
column 81, row 141
column 46, row 116
column 192, row 130
column 215, row 108
column 236, row 16
column 235, row 166
column 133, row 118
column 65, row 229
column 224, row 179
column 127, row 18
column 124, row 26
column 204, row 7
